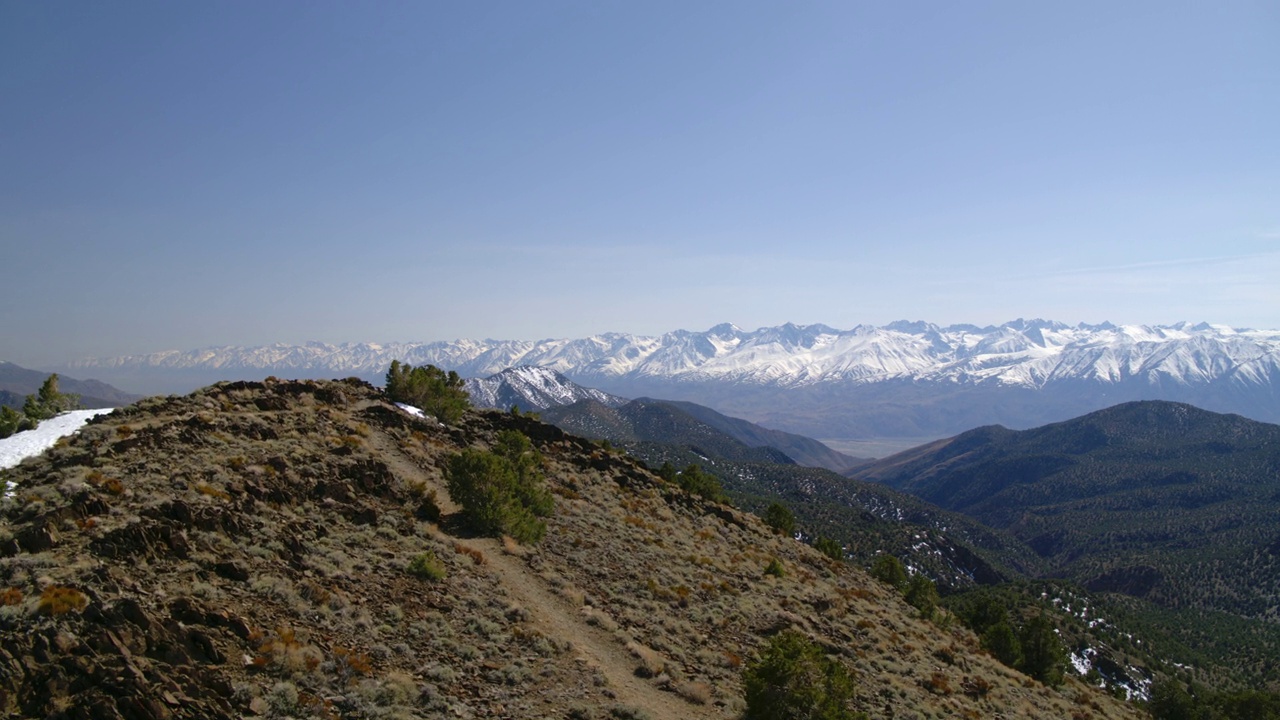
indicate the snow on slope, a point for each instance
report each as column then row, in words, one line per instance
column 533, row 388
column 1022, row 353
column 29, row 443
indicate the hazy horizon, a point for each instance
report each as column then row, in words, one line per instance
column 179, row 176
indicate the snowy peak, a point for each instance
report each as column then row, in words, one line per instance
column 532, row 389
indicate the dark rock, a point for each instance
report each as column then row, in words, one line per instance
column 129, row 610
column 148, row 538
column 231, row 570
column 37, row 538
column 185, row 610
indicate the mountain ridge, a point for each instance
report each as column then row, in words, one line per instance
column 907, row 379
column 16, row 382
column 958, row 352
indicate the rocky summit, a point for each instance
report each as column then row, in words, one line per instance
column 290, row 549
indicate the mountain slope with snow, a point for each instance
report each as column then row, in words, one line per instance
column 533, row 388
column 795, row 376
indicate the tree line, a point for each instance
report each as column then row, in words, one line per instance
column 45, row 403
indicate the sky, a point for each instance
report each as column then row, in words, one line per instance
column 183, row 175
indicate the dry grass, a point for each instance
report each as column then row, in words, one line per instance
column 477, row 556
column 60, row 600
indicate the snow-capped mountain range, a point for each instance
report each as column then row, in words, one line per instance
column 743, row 372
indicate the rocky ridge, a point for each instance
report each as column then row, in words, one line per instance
column 244, row 551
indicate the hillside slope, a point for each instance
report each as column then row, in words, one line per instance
column 243, row 551
column 1160, row 501
column 803, row 450
column 656, row 421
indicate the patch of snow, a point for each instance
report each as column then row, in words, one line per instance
column 29, row 443
column 411, row 410
column 1080, row 661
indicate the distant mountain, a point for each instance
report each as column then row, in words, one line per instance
column 685, row 423
column 903, row 379
column 533, row 389
column 804, row 450
column 1157, row 500
column 655, row 421
column 16, row 383
column 542, row 389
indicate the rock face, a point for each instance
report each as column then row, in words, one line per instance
column 246, row 551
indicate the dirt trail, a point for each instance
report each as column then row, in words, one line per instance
column 555, row 615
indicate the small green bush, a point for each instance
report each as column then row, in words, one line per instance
column 775, row 568
column 502, row 492
column 701, row 483
column 888, row 569
column 795, row 680
column 922, row 594
column 830, row 548
column 427, row 566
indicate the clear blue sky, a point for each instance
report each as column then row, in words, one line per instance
column 177, row 175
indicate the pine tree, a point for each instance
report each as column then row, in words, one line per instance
column 781, row 519
column 429, row 389
column 693, row 479
column 922, row 594
column 10, row 421
column 1043, row 656
column 829, row 547
column 1002, row 642
column 46, row 403
column 501, row 492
